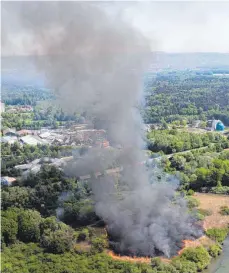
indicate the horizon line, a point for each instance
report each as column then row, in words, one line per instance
column 157, row 51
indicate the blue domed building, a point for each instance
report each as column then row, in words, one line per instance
column 219, row 126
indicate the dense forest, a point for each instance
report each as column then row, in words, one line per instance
column 173, row 141
column 18, row 94
column 187, row 95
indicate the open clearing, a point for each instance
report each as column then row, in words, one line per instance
column 213, row 202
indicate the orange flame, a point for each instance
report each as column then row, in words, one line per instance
column 134, row 259
column 185, row 244
column 129, row 259
column 188, row 243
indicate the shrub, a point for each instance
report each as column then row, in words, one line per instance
column 190, row 192
column 205, row 212
column 192, row 202
column 217, row 234
column 156, row 262
column 224, row 210
column 184, row 266
column 98, row 244
column 200, row 216
column 202, row 213
column 220, row 190
column 160, row 266
column 198, row 255
column 215, row 250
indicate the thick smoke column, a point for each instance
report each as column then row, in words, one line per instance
column 95, row 63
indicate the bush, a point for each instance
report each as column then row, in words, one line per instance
column 220, row 190
column 215, row 250
column 217, row 234
column 224, row 210
column 98, row 244
column 205, row 212
column 200, row 216
column 190, row 192
column 198, row 255
column 184, row 266
column 156, row 262
column 192, row 202
column 202, row 213
column 160, row 266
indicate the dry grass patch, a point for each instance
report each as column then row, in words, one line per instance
column 213, row 202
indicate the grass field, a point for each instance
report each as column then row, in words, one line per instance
column 213, row 202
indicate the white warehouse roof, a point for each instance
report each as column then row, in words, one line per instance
column 31, row 140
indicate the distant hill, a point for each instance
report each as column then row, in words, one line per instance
column 163, row 60
column 21, row 70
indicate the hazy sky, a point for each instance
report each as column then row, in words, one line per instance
column 170, row 26
column 185, row 26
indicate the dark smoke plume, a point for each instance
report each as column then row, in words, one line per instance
column 95, row 63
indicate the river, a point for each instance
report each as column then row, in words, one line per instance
column 221, row 263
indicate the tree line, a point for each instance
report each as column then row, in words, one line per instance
column 173, row 141
column 186, row 95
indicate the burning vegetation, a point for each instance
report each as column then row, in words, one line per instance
column 118, row 252
column 100, row 72
column 128, row 258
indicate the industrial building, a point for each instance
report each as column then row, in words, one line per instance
column 215, row 125
column 32, row 140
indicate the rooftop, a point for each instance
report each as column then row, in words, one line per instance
column 32, row 140
column 7, row 180
column 45, row 134
column 23, row 132
column 9, row 139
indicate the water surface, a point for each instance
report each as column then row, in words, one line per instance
column 220, row 264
